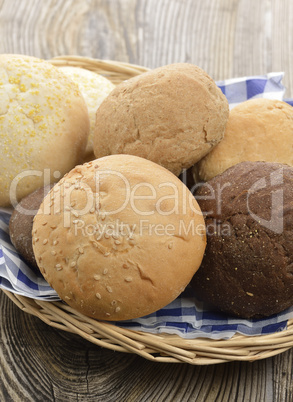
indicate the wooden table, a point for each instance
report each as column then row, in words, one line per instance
column 227, row 38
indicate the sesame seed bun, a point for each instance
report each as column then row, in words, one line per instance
column 44, row 124
column 173, row 115
column 94, row 88
column 119, row 237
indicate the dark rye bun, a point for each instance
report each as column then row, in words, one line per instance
column 109, row 237
column 21, row 224
column 247, row 269
column 173, row 115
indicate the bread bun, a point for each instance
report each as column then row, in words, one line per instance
column 119, row 237
column 44, row 124
column 21, row 224
column 173, row 115
column 247, row 269
column 257, row 130
column 94, row 88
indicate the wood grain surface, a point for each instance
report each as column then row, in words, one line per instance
column 227, row 38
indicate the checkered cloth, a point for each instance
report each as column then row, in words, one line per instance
column 185, row 316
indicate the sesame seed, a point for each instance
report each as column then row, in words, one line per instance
column 92, row 210
column 97, row 277
column 73, row 264
column 109, row 289
column 115, row 236
column 75, row 214
column 106, row 236
column 45, row 241
column 75, row 221
column 105, row 271
column 249, row 294
column 170, row 245
column 67, row 298
column 113, row 302
column 67, row 208
column 55, row 242
column 36, row 239
column 57, row 265
column 128, row 279
column 81, row 250
column 44, row 223
column 117, row 309
column 53, row 227
column 106, row 254
column 98, row 296
column 53, row 252
column 117, row 242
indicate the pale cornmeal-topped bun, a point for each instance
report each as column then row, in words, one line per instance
column 44, row 124
column 173, row 115
column 257, row 130
column 119, row 237
column 94, row 88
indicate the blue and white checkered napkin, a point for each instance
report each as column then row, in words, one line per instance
column 185, row 316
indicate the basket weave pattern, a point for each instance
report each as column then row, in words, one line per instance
column 162, row 347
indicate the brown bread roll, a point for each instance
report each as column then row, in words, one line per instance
column 173, row 115
column 247, row 269
column 21, row 224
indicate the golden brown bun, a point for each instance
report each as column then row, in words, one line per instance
column 257, row 130
column 44, row 123
column 88, row 252
column 173, row 115
column 94, row 88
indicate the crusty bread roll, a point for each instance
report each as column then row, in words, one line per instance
column 119, row 237
column 44, row 124
column 257, row 130
column 21, row 224
column 94, row 88
column 247, row 269
column 173, row 115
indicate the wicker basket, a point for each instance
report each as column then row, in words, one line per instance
column 159, row 348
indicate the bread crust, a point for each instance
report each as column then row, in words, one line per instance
column 21, row 224
column 247, row 269
column 94, row 88
column 173, row 115
column 257, row 130
column 44, row 124
column 139, row 258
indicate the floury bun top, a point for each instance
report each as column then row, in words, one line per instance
column 119, row 237
column 44, row 124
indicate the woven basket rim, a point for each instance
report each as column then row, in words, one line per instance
column 162, row 348
column 155, row 347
